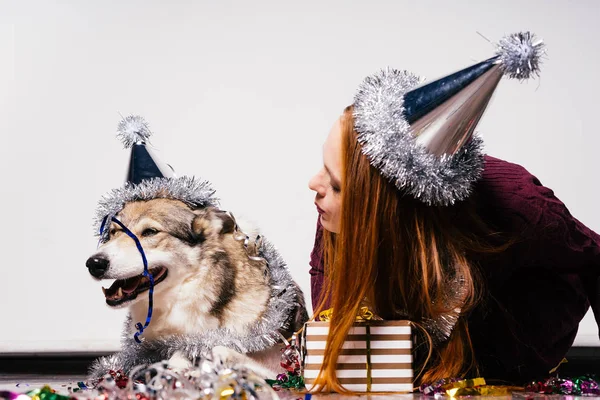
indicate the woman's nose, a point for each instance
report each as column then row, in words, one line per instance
column 315, row 185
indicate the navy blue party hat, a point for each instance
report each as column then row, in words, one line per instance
column 134, row 132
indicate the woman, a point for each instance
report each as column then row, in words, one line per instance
column 473, row 249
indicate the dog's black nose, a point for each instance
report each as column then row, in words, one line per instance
column 97, row 266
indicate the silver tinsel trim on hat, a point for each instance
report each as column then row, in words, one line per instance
column 390, row 147
column 192, row 191
column 133, row 129
column 285, row 311
column 520, row 54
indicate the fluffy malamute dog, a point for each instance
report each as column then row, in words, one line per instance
column 217, row 291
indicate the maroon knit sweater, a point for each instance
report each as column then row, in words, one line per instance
column 537, row 291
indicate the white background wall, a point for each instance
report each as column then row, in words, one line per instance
column 243, row 94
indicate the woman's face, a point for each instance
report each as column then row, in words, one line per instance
column 327, row 184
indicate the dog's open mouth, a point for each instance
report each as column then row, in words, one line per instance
column 123, row 290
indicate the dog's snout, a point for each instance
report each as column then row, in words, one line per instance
column 97, row 265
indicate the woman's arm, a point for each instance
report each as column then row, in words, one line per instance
column 552, row 237
column 572, row 246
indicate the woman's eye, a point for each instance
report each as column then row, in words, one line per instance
column 149, row 232
column 112, row 232
column 336, row 189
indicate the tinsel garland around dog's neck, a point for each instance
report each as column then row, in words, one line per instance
column 285, row 311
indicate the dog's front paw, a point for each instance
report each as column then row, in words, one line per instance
column 179, row 362
column 225, row 356
column 232, row 359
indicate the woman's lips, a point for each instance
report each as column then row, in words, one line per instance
column 319, row 209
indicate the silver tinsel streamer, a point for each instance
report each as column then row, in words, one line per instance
column 520, row 54
column 133, row 129
column 285, row 308
column 440, row 328
column 205, row 380
column 390, row 147
column 190, row 190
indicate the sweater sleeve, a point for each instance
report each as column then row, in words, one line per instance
column 554, row 238
column 571, row 246
column 316, row 267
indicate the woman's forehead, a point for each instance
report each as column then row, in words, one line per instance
column 332, row 149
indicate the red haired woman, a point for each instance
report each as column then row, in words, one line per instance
column 418, row 223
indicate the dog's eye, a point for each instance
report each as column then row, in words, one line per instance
column 149, row 232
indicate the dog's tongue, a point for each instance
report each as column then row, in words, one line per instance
column 124, row 287
column 130, row 284
column 127, row 285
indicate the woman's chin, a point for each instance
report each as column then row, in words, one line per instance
column 327, row 225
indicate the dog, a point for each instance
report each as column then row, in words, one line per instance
column 211, row 280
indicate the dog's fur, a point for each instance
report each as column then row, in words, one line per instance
column 214, row 277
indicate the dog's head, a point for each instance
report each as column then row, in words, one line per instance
column 173, row 237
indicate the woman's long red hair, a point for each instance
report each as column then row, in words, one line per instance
column 398, row 254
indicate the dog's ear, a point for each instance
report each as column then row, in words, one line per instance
column 200, row 225
column 212, row 222
column 254, row 246
column 227, row 221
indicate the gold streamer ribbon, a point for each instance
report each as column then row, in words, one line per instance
column 364, row 314
column 465, row 383
column 477, row 387
column 553, row 370
column 484, row 391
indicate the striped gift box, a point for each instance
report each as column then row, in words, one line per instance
column 376, row 356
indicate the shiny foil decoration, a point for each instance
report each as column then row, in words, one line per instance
column 207, row 380
column 290, row 361
column 586, row 385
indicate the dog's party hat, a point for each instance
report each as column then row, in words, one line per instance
column 422, row 137
column 134, row 132
column 148, row 177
